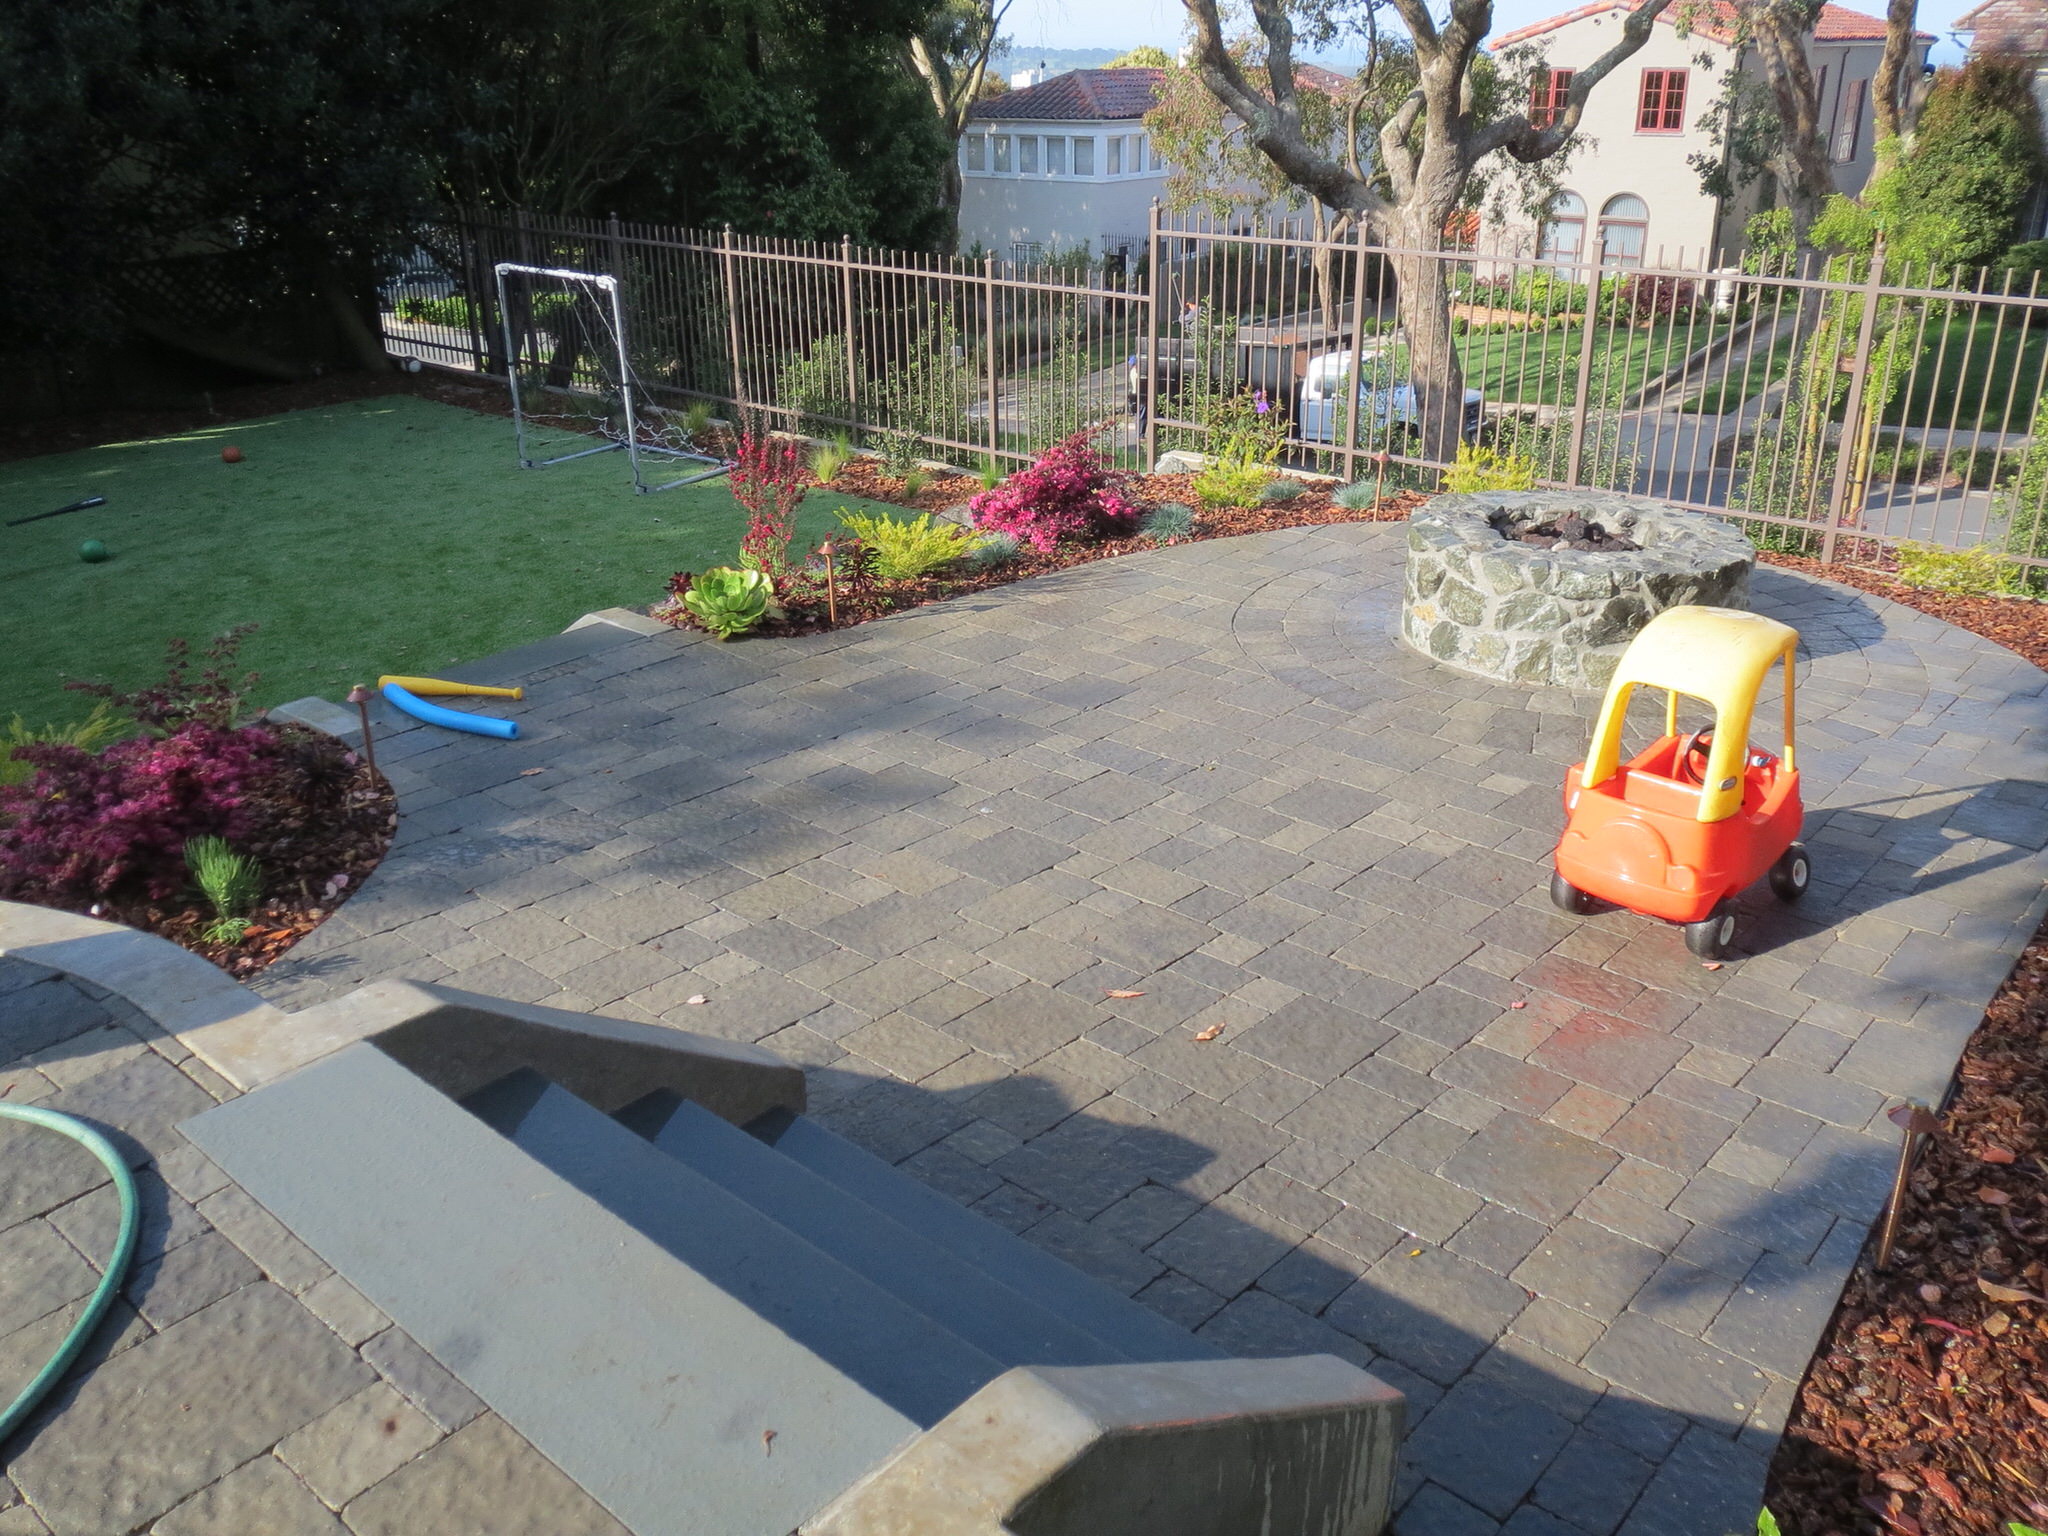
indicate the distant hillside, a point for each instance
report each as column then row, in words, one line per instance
column 1057, row 61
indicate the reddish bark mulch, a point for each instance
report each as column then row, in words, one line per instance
column 1925, row 1411
column 312, row 862
column 2015, row 623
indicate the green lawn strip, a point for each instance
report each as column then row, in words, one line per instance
column 1968, row 371
column 1542, row 367
column 385, row 535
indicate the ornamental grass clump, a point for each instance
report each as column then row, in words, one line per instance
column 1065, row 495
column 229, row 881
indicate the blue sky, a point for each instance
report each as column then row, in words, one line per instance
column 1126, row 23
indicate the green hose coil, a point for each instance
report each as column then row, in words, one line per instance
column 117, row 1262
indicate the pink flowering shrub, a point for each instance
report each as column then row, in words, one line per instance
column 88, row 824
column 1065, row 495
column 768, row 478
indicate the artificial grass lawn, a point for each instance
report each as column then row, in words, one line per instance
column 385, row 535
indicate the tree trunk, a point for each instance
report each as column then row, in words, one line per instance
column 1424, row 306
column 951, row 188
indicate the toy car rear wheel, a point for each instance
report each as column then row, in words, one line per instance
column 1713, row 935
column 1568, row 897
column 1789, row 876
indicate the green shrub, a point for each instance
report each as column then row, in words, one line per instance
column 1490, row 469
column 814, row 384
column 2024, row 260
column 697, row 420
column 990, row 474
column 1231, row 482
column 229, row 881
column 1168, row 523
column 1979, row 572
column 992, row 551
column 905, row 551
column 729, row 602
column 898, row 452
column 828, row 459
column 915, row 479
column 91, row 733
column 1283, row 488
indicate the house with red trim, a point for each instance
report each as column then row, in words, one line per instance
column 1631, row 193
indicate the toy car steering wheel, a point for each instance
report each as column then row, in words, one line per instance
column 1690, row 760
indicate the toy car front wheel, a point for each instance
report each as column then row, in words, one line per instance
column 1568, row 897
column 1713, row 935
column 1791, row 873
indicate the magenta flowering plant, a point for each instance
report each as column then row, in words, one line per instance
column 1065, row 495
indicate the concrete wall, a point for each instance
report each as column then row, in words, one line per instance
column 1001, row 209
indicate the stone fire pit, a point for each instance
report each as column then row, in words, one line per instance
column 1482, row 599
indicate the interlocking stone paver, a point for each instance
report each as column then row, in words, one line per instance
column 1487, row 1444
column 357, row 1443
column 483, row 1480
column 260, row 1495
column 252, row 1367
column 1248, row 804
column 1530, row 1167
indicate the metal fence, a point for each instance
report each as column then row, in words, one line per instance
column 1832, row 409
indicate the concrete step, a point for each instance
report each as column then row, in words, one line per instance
column 657, row 1387
column 874, row 1338
column 1129, row 1328
column 960, row 1298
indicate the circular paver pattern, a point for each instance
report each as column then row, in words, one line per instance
column 1169, row 911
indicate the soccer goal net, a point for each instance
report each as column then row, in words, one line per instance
column 575, row 388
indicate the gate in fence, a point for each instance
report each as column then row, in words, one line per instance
column 1831, row 409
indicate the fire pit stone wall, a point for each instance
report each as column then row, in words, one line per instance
column 1481, row 599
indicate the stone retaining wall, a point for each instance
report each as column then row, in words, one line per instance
column 1526, row 614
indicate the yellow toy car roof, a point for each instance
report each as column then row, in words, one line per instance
column 1718, row 655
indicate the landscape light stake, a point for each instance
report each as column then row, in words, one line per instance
column 1379, row 484
column 831, row 587
column 1915, row 1120
column 360, row 697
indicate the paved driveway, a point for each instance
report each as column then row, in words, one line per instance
column 1587, row 1202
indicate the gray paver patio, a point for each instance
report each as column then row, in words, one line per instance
column 1600, row 1230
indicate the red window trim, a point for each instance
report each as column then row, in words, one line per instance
column 1547, row 96
column 1660, row 101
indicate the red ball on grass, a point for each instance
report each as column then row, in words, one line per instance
column 231, row 454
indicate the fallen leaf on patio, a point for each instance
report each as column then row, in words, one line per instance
column 1518, row 1003
column 1414, row 1253
column 1997, row 1323
column 1994, row 1155
column 1992, row 1196
column 694, row 998
column 1122, row 992
column 1999, row 1292
column 1210, row 1033
column 527, row 773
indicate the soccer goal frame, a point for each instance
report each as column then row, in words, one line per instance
column 631, row 396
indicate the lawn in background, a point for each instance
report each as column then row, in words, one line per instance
column 386, row 535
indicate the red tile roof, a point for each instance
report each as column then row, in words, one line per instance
column 1109, row 95
column 2009, row 26
column 1081, row 95
column 1837, row 24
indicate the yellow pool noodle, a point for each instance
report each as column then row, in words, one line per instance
column 427, row 687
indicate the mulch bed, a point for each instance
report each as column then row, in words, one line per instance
column 2015, row 623
column 312, row 862
column 1312, row 508
column 1925, row 1411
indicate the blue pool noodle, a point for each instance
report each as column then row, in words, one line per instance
column 453, row 719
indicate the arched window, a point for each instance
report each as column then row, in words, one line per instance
column 1563, row 237
column 1624, row 230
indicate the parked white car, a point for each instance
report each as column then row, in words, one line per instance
column 1325, row 381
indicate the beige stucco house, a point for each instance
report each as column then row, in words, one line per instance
column 1062, row 163
column 1630, row 191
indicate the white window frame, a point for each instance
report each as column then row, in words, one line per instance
column 1000, row 162
column 1084, row 149
column 1055, row 155
column 1027, row 154
column 1115, row 165
column 974, row 155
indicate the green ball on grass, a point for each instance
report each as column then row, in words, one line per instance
column 92, row 552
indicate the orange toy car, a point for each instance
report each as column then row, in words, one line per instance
column 1685, row 826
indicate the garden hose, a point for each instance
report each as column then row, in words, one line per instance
column 117, row 1262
